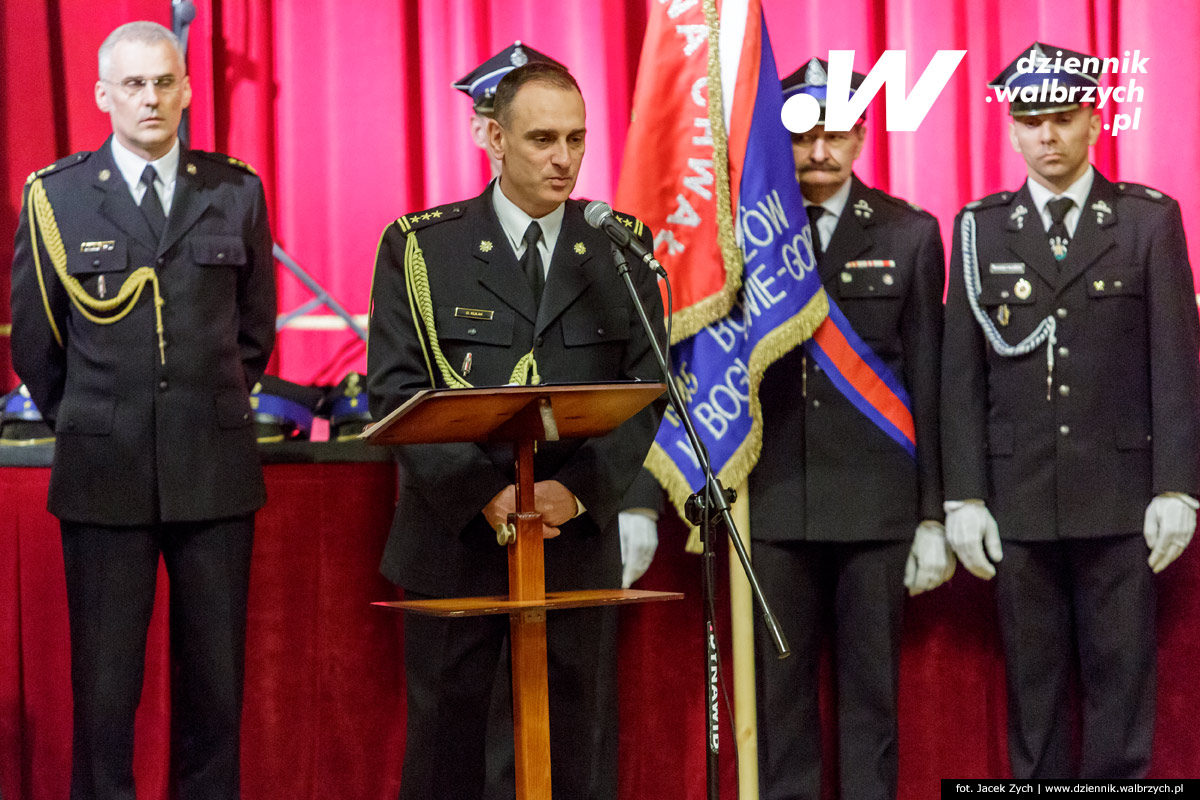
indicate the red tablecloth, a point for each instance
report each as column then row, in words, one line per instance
column 324, row 713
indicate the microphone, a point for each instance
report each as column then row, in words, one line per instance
column 599, row 215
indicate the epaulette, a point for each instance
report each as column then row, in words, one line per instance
column 630, row 222
column 996, row 199
column 61, row 164
column 902, row 203
column 1145, row 192
column 230, row 161
column 432, row 216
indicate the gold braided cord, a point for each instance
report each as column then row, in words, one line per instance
column 420, row 302
column 37, row 268
column 90, row 307
column 689, row 321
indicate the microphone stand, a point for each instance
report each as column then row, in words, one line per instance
column 712, row 500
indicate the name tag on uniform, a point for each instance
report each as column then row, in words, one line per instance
column 871, row 262
column 97, row 247
column 1007, row 268
column 473, row 313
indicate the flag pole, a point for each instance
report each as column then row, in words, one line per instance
column 741, row 613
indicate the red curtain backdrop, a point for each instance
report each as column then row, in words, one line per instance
column 346, row 108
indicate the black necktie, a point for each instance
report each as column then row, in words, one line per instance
column 531, row 261
column 1059, row 238
column 814, row 214
column 151, row 205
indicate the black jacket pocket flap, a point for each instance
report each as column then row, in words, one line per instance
column 595, row 326
column 1005, row 290
column 856, row 282
column 213, row 250
column 91, row 416
column 497, row 330
column 96, row 257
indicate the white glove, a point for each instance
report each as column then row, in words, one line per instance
column 1170, row 522
column 930, row 561
column 639, row 540
column 969, row 528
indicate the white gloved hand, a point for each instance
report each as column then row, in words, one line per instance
column 1168, row 527
column 930, row 561
column 970, row 528
column 639, row 540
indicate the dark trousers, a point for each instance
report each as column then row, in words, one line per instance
column 450, row 666
column 1092, row 599
column 858, row 589
column 111, row 574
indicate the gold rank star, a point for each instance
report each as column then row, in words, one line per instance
column 485, row 246
column 580, row 249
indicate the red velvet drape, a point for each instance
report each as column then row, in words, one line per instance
column 346, row 108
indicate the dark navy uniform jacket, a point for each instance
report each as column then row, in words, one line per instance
column 140, row 441
column 1118, row 422
column 827, row 473
column 585, row 330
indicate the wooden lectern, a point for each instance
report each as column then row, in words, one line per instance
column 522, row 415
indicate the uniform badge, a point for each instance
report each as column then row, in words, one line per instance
column 97, row 247
column 1007, row 268
column 1154, row 194
column 1102, row 209
column 1022, row 289
column 1098, row 285
column 104, row 175
column 518, row 57
column 191, row 169
column 1058, row 245
column 580, row 249
column 863, row 209
column 466, row 366
column 473, row 313
column 888, row 280
column 1002, row 315
column 847, row 277
column 101, row 289
column 1018, row 216
column 485, row 246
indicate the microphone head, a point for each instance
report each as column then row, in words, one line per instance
column 596, row 212
column 185, row 11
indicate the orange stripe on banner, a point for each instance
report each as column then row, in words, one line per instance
column 863, row 378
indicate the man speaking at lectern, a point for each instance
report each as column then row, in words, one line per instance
column 511, row 286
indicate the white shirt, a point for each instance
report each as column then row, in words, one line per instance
column 833, row 210
column 1077, row 191
column 515, row 222
column 132, row 166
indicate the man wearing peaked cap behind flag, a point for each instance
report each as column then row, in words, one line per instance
column 1071, row 406
column 834, row 501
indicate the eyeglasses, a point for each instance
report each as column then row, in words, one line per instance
column 133, row 87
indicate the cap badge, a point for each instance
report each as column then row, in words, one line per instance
column 815, row 75
column 518, row 58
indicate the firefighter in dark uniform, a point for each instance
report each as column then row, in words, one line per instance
column 143, row 302
column 511, row 286
column 842, row 518
column 1071, row 399
column 637, row 520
